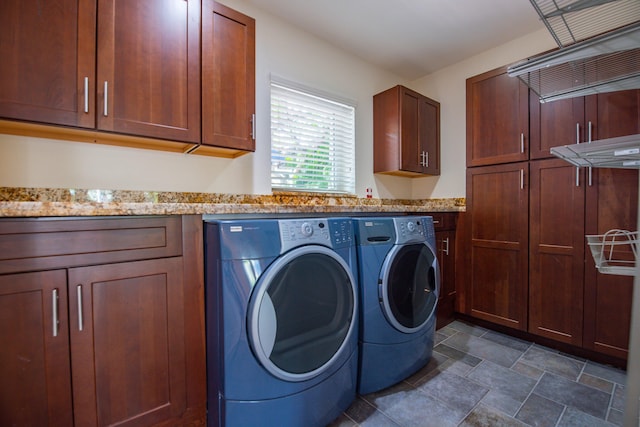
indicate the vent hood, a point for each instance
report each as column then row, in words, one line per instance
column 599, row 49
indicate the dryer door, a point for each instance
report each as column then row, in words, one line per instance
column 302, row 312
column 409, row 286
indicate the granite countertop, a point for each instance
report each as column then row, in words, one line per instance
column 38, row 202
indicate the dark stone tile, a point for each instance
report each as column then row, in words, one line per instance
column 616, row 417
column 439, row 337
column 502, row 402
column 457, row 354
column 507, row 341
column 413, row 408
column 553, row 362
column 595, row 382
column 617, row 401
column 540, row 412
column 435, row 363
column 499, row 378
column 467, row 328
column 575, row 418
column 483, row 416
column 342, row 421
column 455, row 390
column 606, row 372
column 485, row 349
column 576, row 395
column 527, row 370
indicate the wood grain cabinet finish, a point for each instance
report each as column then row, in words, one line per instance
column 497, row 119
column 611, row 202
column 103, row 343
column 127, row 67
column 406, row 133
column 228, row 78
column 445, row 228
column 148, row 75
column 497, row 208
column 48, row 52
column 557, row 250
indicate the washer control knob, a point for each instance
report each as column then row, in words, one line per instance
column 411, row 226
column 306, row 229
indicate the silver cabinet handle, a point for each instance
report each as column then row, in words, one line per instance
column 522, row 142
column 426, row 159
column 86, row 94
column 577, row 176
column 106, row 98
column 589, row 141
column 54, row 306
column 522, row 179
column 590, row 176
column 253, row 126
column 577, row 133
column 80, row 320
column 445, row 250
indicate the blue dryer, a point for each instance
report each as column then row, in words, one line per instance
column 282, row 321
column 399, row 287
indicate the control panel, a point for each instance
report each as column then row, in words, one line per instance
column 333, row 232
column 409, row 229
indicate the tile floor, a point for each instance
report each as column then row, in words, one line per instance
column 478, row 377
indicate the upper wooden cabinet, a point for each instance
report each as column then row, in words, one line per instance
column 228, row 77
column 148, row 77
column 497, row 119
column 131, row 73
column 48, row 53
column 406, row 133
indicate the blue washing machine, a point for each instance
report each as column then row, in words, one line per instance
column 399, row 287
column 281, row 321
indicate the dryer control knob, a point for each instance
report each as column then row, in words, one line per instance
column 306, row 229
column 411, row 226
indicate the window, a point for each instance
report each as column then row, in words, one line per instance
column 312, row 141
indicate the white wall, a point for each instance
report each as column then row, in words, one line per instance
column 448, row 86
column 280, row 49
column 292, row 54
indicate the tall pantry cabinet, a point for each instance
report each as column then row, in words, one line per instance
column 553, row 287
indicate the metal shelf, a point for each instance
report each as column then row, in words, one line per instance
column 621, row 152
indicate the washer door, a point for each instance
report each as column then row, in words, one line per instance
column 301, row 313
column 409, row 286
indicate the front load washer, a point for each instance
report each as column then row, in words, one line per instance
column 399, row 287
column 282, row 321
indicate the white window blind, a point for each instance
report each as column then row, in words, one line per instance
column 312, row 141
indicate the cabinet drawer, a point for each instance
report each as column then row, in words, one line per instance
column 443, row 220
column 39, row 243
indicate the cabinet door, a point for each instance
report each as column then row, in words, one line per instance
column 612, row 202
column 127, row 342
column 35, row 389
column 556, row 278
column 48, row 50
column 148, row 79
column 556, row 123
column 410, row 147
column 497, row 119
column 498, row 204
column 429, row 136
column 445, row 242
column 228, row 77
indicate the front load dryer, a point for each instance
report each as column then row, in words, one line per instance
column 399, row 287
column 281, row 317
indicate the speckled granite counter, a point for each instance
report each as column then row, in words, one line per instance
column 38, row 202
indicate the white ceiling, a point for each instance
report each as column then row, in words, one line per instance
column 411, row 38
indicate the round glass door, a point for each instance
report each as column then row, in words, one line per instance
column 409, row 286
column 301, row 312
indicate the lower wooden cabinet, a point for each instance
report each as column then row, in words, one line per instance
column 108, row 344
column 497, row 244
column 445, row 228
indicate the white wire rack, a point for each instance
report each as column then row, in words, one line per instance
column 615, row 252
